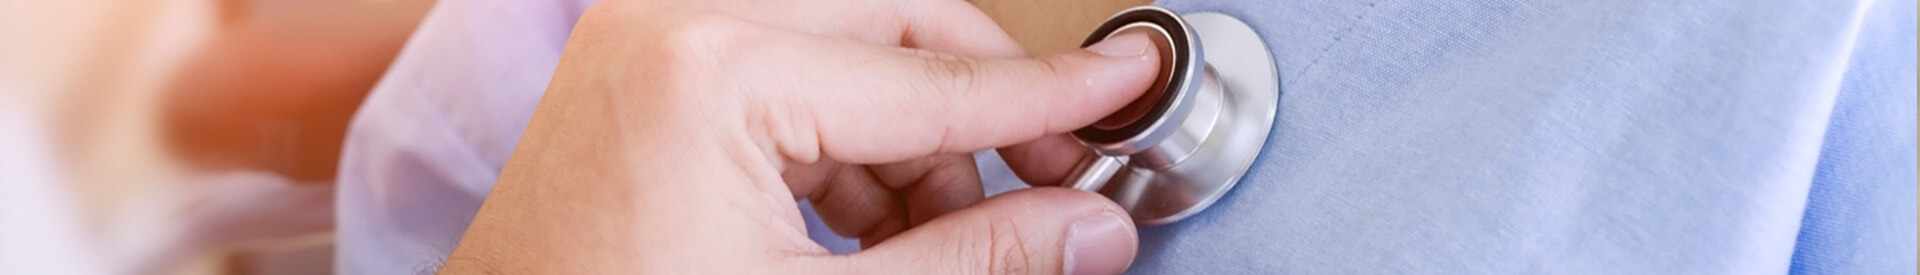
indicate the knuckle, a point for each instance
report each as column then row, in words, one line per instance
column 1007, row 248
column 702, row 41
column 692, row 53
column 947, row 72
column 948, row 82
column 665, row 48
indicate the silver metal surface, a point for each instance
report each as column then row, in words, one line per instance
column 1095, row 170
column 1177, row 56
column 1219, row 116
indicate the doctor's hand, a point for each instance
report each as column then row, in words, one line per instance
column 676, row 137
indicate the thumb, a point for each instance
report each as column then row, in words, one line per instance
column 1039, row 230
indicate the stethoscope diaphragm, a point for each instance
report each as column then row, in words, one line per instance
column 1185, row 142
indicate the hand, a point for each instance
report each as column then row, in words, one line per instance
column 676, row 136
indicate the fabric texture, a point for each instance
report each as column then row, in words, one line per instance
column 1481, row 136
column 429, row 140
column 1860, row 210
column 1587, row 137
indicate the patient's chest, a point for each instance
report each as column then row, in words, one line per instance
column 1506, row 137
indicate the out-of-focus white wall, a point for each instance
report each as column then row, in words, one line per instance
column 87, row 182
column 40, row 233
column 111, row 57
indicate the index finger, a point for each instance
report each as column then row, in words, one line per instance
column 869, row 104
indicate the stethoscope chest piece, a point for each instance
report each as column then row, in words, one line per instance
column 1189, row 139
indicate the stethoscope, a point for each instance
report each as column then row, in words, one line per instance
column 1189, row 139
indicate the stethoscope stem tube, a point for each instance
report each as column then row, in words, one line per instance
column 1196, row 131
column 1093, row 172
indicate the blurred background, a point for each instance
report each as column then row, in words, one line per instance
column 181, row 136
column 201, row 136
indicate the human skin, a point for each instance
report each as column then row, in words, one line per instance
column 676, row 136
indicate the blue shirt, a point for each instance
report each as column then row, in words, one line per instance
column 1484, row 136
column 1555, row 137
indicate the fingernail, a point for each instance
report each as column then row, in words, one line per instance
column 1099, row 244
column 1122, row 46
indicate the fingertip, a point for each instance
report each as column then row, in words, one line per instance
column 1066, row 204
column 1100, row 238
column 1107, row 76
column 1102, row 243
column 1123, row 46
column 1047, row 228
